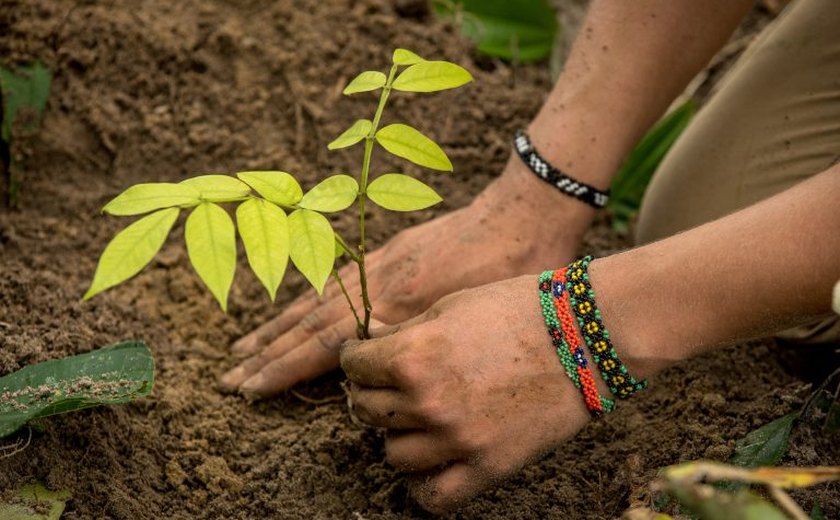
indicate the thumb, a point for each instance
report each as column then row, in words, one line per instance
column 380, row 330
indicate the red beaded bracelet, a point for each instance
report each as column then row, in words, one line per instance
column 594, row 402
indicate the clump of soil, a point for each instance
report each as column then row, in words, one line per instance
column 159, row 90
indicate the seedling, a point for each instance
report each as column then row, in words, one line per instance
column 276, row 220
column 24, row 92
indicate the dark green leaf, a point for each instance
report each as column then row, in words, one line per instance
column 765, row 446
column 110, row 375
column 522, row 30
column 816, row 513
column 25, row 89
column 632, row 179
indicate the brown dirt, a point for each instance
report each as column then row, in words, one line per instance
column 160, row 90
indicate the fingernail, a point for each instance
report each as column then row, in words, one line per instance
column 242, row 346
column 253, row 385
column 232, row 377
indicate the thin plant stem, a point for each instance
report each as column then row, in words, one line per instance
column 383, row 99
column 359, row 324
column 347, row 248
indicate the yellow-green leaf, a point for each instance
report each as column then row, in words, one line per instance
column 366, row 81
column 131, row 249
column 352, row 135
column 339, row 249
column 312, row 246
column 408, row 143
column 211, row 245
column 399, row 192
column 405, row 57
column 265, row 232
column 143, row 198
column 332, row 194
column 278, row 187
column 835, row 299
column 431, row 76
column 218, row 188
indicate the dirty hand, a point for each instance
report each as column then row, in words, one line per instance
column 500, row 235
column 469, row 391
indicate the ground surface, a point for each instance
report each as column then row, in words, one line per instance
column 160, row 90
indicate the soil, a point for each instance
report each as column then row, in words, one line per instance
column 160, row 90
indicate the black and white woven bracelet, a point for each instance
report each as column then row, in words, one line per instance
column 568, row 185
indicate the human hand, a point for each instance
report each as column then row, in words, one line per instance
column 500, row 235
column 470, row 391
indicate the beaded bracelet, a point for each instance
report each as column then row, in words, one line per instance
column 574, row 345
column 594, row 403
column 597, row 337
column 560, row 180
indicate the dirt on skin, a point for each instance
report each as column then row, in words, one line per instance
column 160, row 90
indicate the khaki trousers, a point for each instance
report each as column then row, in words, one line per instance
column 773, row 121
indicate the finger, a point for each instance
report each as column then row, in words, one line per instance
column 449, row 488
column 317, row 355
column 293, row 315
column 318, row 324
column 369, row 363
column 384, row 408
column 251, row 343
column 418, row 450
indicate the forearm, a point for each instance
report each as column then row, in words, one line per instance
column 630, row 60
column 628, row 63
column 752, row 273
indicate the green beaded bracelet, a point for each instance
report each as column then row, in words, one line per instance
column 596, row 336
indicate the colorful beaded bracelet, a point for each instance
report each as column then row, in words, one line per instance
column 597, row 337
column 596, row 405
column 557, row 178
column 567, row 325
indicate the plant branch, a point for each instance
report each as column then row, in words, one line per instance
column 383, row 99
column 347, row 249
column 359, row 324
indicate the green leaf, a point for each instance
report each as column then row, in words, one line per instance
column 131, row 249
column 352, row 135
column 431, row 76
column 365, row 82
column 406, row 142
column 835, row 298
column 34, row 502
column 265, row 233
column 25, row 91
column 143, row 198
column 400, row 192
column 111, row 375
column 523, row 30
column 218, row 188
column 278, row 187
column 766, row 445
column 211, row 245
column 332, row 194
column 405, row 57
column 817, row 513
column 632, row 179
column 312, row 246
column 339, row 249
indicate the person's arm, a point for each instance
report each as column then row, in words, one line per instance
column 630, row 60
column 472, row 390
